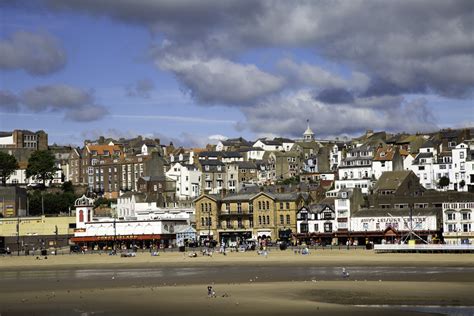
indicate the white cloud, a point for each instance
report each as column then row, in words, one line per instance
column 218, row 80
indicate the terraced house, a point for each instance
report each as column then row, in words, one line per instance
column 238, row 217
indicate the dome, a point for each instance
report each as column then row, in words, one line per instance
column 84, row 201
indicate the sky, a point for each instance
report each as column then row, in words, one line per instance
column 193, row 72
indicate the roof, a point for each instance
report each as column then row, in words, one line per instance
column 391, row 180
column 428, row 144
column 100, row 149
column 385, row 154
column 319, row 207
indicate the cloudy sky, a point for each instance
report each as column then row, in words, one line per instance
column 192, row 71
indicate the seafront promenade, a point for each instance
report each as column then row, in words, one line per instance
column 282, row 283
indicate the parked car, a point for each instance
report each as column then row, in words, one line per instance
column 75, row 248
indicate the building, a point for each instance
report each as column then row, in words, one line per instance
column 38, row 232
column 458, row 222
column 316, row 222
column 13, row 201
column 355, row 170
column 109, row 233
column 237, row 217
column 386, row 159
column 188, row 180
column 214, row 176
column 24, row 139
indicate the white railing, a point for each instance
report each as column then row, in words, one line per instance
column 433, row 247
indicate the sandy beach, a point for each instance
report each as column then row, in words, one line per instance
column 284, row 283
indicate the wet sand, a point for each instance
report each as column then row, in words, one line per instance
column 246, row 284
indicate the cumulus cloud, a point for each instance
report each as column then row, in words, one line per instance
column 35, row 53
column 411, row 46
column 286, row 115
column 219, row 80
column 8, row 101
column 142, row 88
column 317, row 77
column 77, row 104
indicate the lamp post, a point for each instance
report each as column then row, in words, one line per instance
column 18, row 236
column 209, row 227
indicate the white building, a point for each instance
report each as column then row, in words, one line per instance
column 458, row 222
column 188, row 180
column 460, row 178
column 268, row 145
column 355, row 170
column 316, row 219
column 146, row 230
column 386, row 159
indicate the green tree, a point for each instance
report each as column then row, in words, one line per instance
column 8, row 165
column 54, row 203
column 443, row 182
column 41, row 165
column 68, row 187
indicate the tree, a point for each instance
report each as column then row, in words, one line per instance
column 68, row 187
column 443, row 182
column 462, row 184
column 8, row 165
column 41, row 165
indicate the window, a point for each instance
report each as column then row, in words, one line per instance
column 239, row 207
column 259, row 205
column 421, row 167
column 304, row 228
column 466, row 228
column 288, row 220
column 366, row 226
column 461, row 155
column 268, row 219
column 250, row 208
column 316, row 227
column 260, row 220
column 268, row 205
column 466, row 216
column 451, row 216
column 281, row 220
column 264, row 222
column 281, row 205
column 287, row 205
column 451, row 228
column 202, row 221
column 327, row 227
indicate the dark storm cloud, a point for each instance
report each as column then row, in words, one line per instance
column 35, row 53
column 332, row 96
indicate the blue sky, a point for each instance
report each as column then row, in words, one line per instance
column 171, row 70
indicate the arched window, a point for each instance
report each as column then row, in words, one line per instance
column 259, row 205
column 268, row 220
column 260, row 220
column 81, row 216
column 202, row 207
column 89, row 213
column 264, row 222
column 287, row 219
column 202, row 221
column 268, row 205
column 205, row 205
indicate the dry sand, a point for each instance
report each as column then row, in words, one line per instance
column 129, row 296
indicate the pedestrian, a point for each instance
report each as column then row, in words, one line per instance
column 210, row 292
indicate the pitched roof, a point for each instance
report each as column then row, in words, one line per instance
column 385, row 154
column 391, row 180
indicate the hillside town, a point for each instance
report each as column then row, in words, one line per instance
column 373, row 189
